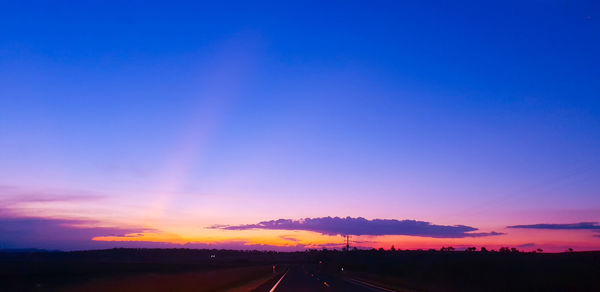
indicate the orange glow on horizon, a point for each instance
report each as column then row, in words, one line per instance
column 307, row 240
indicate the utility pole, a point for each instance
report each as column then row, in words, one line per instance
column 347, row 242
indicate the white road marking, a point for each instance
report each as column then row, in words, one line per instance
column 275, row 287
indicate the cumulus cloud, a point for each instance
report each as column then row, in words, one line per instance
column 362, row 226
column 570, row 226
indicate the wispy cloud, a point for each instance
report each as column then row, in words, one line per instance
column 362, row 226
column 289, row 238
column 48, row 233
column 15, row 194
column 570, row 226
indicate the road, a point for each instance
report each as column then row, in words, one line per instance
column 302, row 278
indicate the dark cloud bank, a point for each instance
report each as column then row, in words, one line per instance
column 67, row 234
column 362, row 226
column 63, row 234
column 570, row 226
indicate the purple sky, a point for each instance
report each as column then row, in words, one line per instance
column 433, row 121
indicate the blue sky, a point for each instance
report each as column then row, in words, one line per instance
column 459, row 112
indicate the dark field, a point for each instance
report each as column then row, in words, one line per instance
column 198, row 270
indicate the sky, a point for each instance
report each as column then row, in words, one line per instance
column 286, row 125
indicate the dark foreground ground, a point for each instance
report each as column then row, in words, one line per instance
column 223, row 270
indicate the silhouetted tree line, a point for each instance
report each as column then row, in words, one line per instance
column 503, row 249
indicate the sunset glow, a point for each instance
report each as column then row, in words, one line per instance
column 279, row 127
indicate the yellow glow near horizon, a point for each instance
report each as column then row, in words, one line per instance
column 249, row 237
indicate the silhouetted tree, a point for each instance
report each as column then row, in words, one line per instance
column 392, row 248
column 483, row 249
column 512, row 249
column 570, row 249
column 540, row 250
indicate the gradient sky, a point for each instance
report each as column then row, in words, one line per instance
column 145, row 124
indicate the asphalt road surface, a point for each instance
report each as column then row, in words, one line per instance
column 303, row 278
